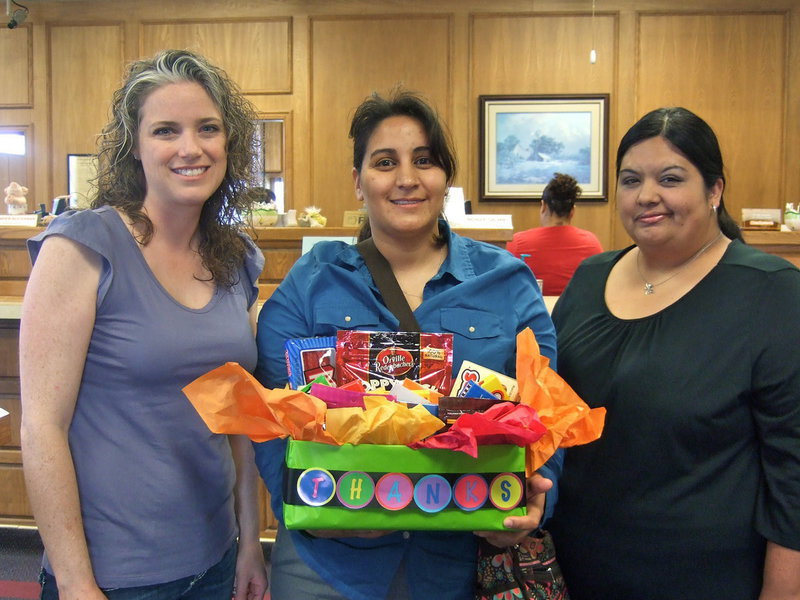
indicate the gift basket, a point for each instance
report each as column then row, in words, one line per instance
column 382, row 437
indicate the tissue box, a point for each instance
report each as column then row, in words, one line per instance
column 394, row 487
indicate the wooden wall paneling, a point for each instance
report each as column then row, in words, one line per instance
column 289, row 176
column 623, row 111
column 273, row 145
column 85, row 65
column 350, row 58
column 298, row 127
column 14, row 506
column 9, row 359
column 791, row 191
column 729, row 69
column 15, row 266
column 256, row 53
column 543, row 54
column 16, row 50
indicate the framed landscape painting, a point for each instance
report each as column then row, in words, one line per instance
column 526, row 139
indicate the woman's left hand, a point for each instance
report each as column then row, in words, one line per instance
column 251, row 572
column 518, row 527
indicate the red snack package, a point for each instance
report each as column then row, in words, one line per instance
column 379, row 357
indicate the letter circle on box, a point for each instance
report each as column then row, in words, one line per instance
column 316, row 487
column 355, row 490
column 470, row 492
column 505, row 491
column 394, row 491
column 432, row 493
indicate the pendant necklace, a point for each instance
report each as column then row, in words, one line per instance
column 649, row 288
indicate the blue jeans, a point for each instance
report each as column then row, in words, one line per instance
column 215, row 583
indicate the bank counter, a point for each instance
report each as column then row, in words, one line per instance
column 281, row 248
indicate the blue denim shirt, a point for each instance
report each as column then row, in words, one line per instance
column 484, row 297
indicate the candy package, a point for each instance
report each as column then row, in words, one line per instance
column 309, row 358
column 501, row 386
column 378, row 358
column 452, row 407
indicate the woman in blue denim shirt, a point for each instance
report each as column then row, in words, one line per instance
column 403, row 164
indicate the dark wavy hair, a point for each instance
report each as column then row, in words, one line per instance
column 561, row 193
column 375, row 109
column 121, row 182
column 695, row 139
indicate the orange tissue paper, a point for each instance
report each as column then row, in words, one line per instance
column 230, row 400
column 568, row 420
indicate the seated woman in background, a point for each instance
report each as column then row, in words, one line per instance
column 689, row 339
column 554, row 250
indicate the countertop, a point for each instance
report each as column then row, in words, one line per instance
column 11, row 306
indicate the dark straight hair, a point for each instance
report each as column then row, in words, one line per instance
column 693, row 138
column 375, row 109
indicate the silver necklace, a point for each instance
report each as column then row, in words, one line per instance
column 649, row 288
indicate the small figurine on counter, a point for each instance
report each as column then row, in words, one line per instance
column 15, row 198
column 311, row 217
column 264, row 212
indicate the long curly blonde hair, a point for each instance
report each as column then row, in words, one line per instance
column 121, row 182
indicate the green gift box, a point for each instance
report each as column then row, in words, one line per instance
column 395, row 487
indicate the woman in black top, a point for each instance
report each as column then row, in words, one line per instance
column 689, row 339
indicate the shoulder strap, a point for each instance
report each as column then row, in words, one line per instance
column 387, row 285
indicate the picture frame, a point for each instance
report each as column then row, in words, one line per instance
column 524, row 140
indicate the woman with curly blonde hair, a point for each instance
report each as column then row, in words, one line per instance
column 126, row 304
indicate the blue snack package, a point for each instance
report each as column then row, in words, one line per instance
column 473, row 390
column 310, row 358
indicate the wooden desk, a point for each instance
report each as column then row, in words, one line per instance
column 782, row 243
column 5, row 430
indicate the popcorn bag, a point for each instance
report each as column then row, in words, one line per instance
column 379, row 357
column 375, row 456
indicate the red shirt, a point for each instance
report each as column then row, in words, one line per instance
column 554, row 253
